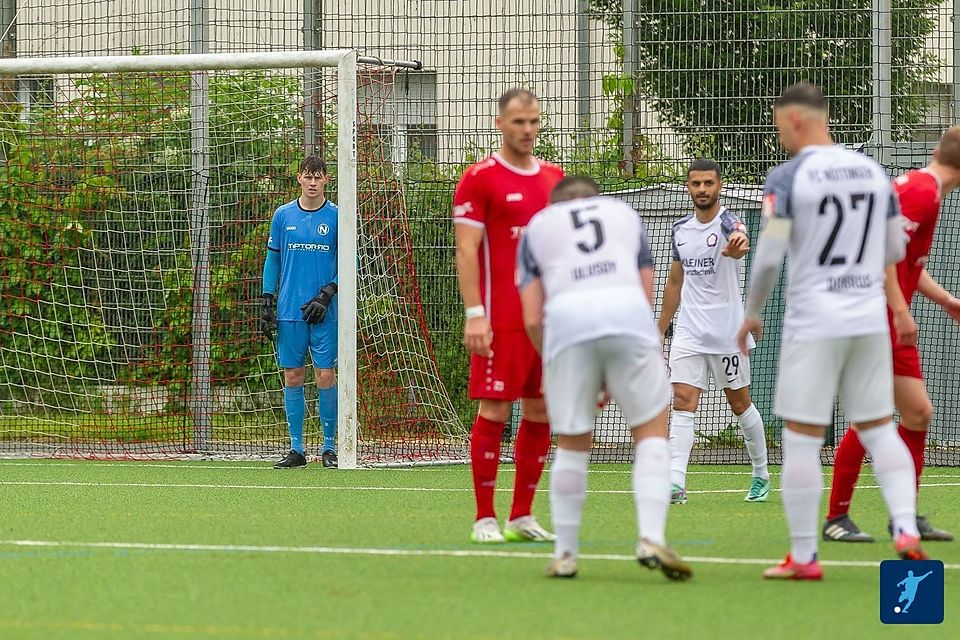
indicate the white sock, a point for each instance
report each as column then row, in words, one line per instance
column 751, row 424
column 802, row 487
column 681, row 442
column 568, row 492
column 651, row 488
column 893, row 468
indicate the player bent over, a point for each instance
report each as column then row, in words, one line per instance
column 585, row 275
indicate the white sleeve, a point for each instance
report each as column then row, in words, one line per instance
column 897, row 238
column 771, row 249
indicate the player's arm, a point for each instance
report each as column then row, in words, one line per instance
column 738, row 242
column 671, row 296
column 477, row 336
column 532, row 296
column 903, row 324
column 271, row 279
column 931, row 290
column 771, row 250
column 469, row 217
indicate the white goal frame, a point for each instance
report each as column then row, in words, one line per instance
column 345, row 61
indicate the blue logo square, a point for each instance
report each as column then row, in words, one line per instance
column 911, row 592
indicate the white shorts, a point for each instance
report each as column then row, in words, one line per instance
column 813, row 373
column 729, row 371
column 634, row 375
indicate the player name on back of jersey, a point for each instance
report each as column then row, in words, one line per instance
column 599, row 268
column 832, row 174
column 849, row 282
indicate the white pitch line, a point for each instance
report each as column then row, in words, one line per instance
column 268, row 467
column 375, row 551
column 176, row 485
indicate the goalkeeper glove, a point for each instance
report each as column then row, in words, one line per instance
column 268, row 317
column 315, row 310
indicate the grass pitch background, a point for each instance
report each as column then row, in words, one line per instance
column 239, row 550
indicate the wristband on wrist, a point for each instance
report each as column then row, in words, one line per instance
column 475, row 312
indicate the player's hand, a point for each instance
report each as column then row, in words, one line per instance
column 905, row 328
column 477, row 336
column 750, row 325
column 952, row 307
column 315, row 310
column 268, row 317
column 737, row 246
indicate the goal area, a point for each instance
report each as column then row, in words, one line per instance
column 138, row 192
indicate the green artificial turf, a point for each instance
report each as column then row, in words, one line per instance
column 315, row 553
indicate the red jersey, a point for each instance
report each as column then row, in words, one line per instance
column 919, row 195
column 500, row 198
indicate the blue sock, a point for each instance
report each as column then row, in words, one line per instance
column 295, row 406
column 327, row 405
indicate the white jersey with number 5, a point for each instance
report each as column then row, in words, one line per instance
column 588, row 253
column 839, row 201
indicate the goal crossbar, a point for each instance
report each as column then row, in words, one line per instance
column 345, row 61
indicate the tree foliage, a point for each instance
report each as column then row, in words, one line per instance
column 711, row 68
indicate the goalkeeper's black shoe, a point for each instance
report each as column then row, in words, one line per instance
column 329, row 459
column 927, row 531
column 842, row 529
column 292, row 460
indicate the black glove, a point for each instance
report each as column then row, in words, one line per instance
column 268, row 317
column 315, row 310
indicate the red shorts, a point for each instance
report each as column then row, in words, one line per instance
column 906, row 361
column 514, row 371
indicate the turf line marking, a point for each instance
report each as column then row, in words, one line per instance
column 177, row 485
column 268, row 466
column 375, row 551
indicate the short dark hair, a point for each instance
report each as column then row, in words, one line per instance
column 802, row 94
column 313, row 165
column 704, row 164
column 524, row 95
column 948, row 149
column 573, row 187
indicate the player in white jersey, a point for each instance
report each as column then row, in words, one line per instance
column 834, row 213
column 585, row 275
column 705, row 276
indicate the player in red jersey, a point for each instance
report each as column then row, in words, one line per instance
column 492, row 204
column 920, row 193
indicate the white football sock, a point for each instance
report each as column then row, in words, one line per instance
column 893, row 468
column 802, row 487
column 751, row 424
column 651, row 488
column 568, row 492
column 681, row 442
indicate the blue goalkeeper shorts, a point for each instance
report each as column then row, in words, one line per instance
column 295, row 337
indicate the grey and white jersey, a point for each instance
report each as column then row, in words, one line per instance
column 711, row 298
column 588, row 254
column 839, row 202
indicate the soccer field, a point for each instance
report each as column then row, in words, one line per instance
column 239, row 550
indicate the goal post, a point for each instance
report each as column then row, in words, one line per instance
column 160, row 332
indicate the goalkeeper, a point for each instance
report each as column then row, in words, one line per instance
column 302, row 311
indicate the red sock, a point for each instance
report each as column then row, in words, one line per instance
column 916, row 441
column 530, row 454
column 485, row 459
column 846, row 469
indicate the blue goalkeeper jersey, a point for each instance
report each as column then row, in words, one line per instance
column 307, row 243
